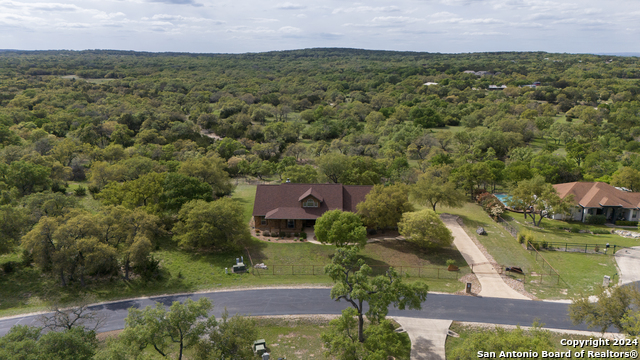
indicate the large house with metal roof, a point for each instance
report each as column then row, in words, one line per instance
column 291, row 207
column 598, row 198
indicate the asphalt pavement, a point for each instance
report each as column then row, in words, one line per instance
column 318, row 301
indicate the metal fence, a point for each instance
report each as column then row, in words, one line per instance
column 551, row 273
column 428, row 272
column 510, row 228
column 580, row 248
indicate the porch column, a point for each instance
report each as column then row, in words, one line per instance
column 585, row 212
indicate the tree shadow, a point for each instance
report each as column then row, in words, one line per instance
column 434, row 256
column 422, row 349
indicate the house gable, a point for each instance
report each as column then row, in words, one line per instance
column 287, row 201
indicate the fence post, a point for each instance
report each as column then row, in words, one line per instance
column 614, row 249
column 419, row 270
column 274, row 270
column 291, row 269
column 313, row 269
column 438, row 273
column 565, row 247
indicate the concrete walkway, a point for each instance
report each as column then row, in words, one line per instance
column 629, row 264
column 428, row 337
column 491, row 282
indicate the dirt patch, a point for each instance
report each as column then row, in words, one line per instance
column 108, row 334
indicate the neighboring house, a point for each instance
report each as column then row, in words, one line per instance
column 598, row 198
column 291, row 207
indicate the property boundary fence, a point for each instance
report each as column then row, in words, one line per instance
column 429, row 272
column 580, row 248
column 512, row 230
column 551, row 272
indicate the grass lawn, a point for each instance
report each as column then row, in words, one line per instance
column 580, row 273
column 466, row 332
column 293, row 338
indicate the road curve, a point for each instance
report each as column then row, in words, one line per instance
column 318, row 301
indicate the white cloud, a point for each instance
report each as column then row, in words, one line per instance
column 290, row 6
column 395, row 19
column 105, row 16
column 263, row 20
column 359, row 9
column 289, row 30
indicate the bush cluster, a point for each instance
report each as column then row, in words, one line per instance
column 490, row 204
column 626, row 223
column 596, row 219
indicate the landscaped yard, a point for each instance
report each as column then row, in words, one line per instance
column 580, row 273
column 183, row 271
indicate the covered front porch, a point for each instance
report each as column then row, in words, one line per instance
column 283, row 225
column 612, row 213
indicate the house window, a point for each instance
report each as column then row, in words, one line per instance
column 263, row 221
column 291, row 224
column 310, row 203
column 634, row 213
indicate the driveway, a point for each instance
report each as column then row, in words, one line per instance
column 428, row 337
column 489, row 278
column 629, row 264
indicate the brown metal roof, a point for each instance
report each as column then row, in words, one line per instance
column 283, row 201
column 598, row 194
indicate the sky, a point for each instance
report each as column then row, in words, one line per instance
column 240, row 26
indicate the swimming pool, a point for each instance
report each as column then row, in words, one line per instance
column 503, row 198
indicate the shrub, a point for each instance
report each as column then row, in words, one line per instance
column 575, row 229
column 596, row 219
column 295, row 234
column 535, row 245
column 282, row 234
column 626, row 223
column 27, row 258
column 544, row 244
column 596, row 248
column 266, row 233
column 80, row 191
column 287, row 234
column 451, row 262
column 148, row 269
column 58, row 187
column 520, row 238
column 303, row 235
column 601, row 231
column 274, row 234
column 528, row 237
column 9, row 267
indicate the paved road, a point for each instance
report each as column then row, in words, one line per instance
column 318, row 301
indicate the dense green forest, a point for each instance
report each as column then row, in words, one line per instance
column 108, row 156
column 147, row 134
